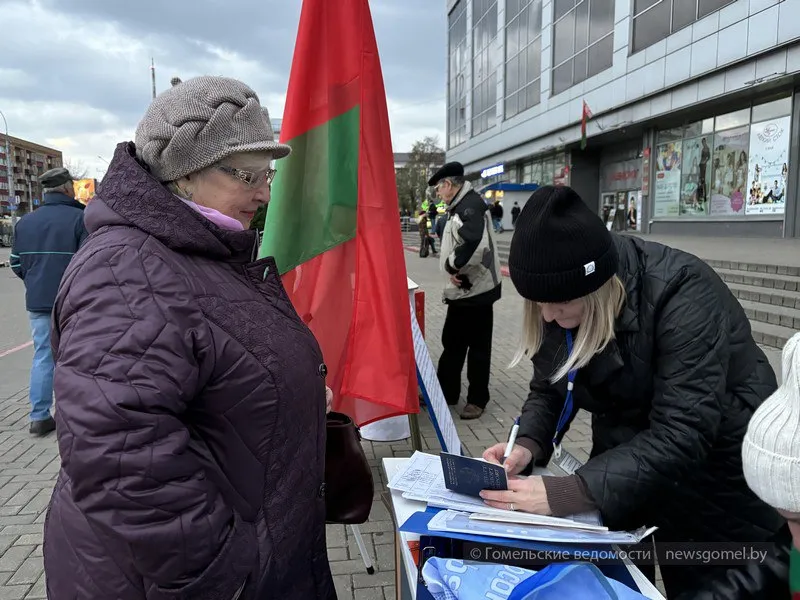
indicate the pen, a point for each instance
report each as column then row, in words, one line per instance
column 511, row 440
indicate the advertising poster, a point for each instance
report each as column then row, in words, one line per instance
column 730, row 164
column 694, row 199
column 633, row 211
column 84, row 190
column 769, row 167
column 668, row 179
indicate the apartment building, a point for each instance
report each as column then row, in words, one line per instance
column 20, row 190
column 691, row 107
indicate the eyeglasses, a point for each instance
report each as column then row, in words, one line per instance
column 249, row 178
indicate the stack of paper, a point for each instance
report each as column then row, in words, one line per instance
column 422, row 479
column 461, row 522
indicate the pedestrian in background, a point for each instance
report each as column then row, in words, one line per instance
column 496, row 211
column 44, row 243
column 426, row 240
column 192, row 397
column 470, row 262
column 652, row 342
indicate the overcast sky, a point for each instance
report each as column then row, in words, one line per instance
column 75, row 74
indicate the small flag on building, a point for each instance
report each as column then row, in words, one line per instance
column 587, row 114
column 332, row 222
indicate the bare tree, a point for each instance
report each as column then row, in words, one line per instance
column 77, row 169
column 412, row 179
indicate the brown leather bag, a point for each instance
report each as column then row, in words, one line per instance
column 348, row 478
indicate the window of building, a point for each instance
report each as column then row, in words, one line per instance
column 654, row 20
column 733, row 165
column 457, row 72
column 583, row 37
column 484, row 65
column 523, row 55
column 544, row 170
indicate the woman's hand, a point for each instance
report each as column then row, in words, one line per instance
column 525, row 495
column 519, row 459
column 328, row 399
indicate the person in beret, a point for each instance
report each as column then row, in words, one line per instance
column 471, row 265
column 652, row 343
column 44, row 243
column 192, row 400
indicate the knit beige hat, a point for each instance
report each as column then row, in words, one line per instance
column 771, row 446
column 198, row 122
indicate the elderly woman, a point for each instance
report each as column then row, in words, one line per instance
column 651, row 342
column 191, row 397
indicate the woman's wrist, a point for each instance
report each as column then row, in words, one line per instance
column 567, row 495
column 533, row 447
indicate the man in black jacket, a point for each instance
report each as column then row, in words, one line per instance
column 470, row 261
column 44, row 243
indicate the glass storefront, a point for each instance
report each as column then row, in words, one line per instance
column 620, row 190
column 728, row 166
column 546, row 170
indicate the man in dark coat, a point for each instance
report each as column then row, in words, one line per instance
column 44, row 243
column 469, row 260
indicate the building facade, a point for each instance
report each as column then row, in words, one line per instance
column 692, row 107
column 20, row 190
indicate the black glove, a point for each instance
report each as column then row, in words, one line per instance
column 466, row 285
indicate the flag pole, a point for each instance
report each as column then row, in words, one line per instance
column 153, row 74
column 416, row 436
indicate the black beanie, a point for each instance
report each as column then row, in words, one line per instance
column 561, row 249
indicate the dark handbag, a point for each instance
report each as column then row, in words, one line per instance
column 349, row 486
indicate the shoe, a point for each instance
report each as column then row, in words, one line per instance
column 470, row 412
column 42, row 428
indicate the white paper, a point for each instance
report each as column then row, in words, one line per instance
column 430, row 381
column 587, row 522
column 460, row 522
column 419, row 475
column 422, row 479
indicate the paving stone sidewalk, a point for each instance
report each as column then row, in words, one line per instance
column 28, row 466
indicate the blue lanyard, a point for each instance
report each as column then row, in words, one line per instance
column 566, row 411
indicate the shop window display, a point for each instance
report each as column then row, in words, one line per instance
column 729, row 166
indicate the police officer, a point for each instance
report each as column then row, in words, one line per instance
column 469, row 260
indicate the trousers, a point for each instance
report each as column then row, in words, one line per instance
column 41, row 392
column 467, row 336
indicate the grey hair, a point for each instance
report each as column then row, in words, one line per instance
column 242, row 160
column 61, row 189
column 456, row 180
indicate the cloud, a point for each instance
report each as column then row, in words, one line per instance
column 82, row 82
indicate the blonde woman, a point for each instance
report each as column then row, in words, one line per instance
column 651, row 342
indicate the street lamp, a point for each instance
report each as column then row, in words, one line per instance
column 9, row 174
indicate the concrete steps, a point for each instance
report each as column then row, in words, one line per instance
column 769, row 294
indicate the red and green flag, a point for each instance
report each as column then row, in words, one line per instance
column 587, row 114
column 333, row 221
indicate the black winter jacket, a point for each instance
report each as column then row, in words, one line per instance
column 670, row 399
column 44, row 244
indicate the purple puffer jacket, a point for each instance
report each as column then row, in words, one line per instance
column 190, row 413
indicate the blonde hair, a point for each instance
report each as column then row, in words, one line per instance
column 595, row 332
